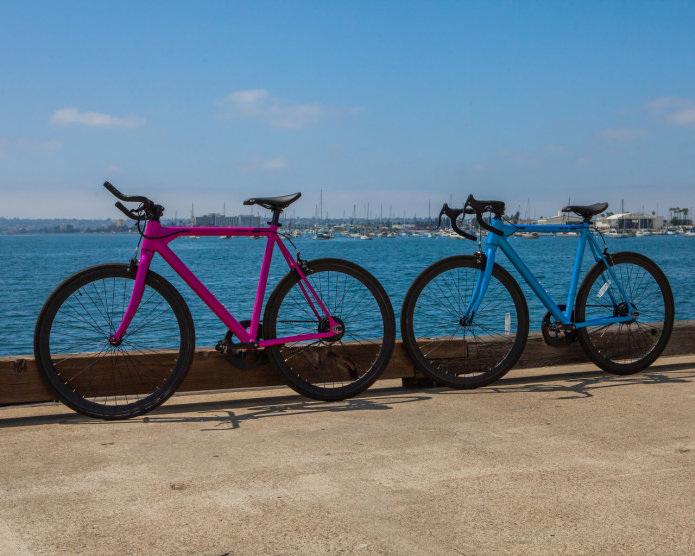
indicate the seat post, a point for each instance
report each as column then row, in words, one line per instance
column 276, row 218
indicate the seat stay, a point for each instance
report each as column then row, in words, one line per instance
column 613, row 278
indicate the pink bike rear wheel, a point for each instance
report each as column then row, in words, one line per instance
column 342, row 366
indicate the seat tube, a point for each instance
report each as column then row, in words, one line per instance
column 262, row 282
column 574, row 284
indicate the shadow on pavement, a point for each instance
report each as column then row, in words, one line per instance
column 220, row 414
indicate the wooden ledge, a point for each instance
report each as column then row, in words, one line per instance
column 21, row 382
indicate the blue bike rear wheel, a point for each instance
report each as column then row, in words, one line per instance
column 629, row 347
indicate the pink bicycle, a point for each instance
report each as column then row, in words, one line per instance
column 115, row 340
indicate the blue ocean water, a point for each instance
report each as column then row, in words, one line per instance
column 33, row 265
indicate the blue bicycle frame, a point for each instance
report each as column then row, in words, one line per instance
column 585, row 237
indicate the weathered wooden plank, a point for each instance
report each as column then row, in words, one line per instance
column 21, row 382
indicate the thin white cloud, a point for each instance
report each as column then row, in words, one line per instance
column 257, row 162
column 624, row 133
column 276, row 163
column 683, row 117
column 276, row 112
column 674, row 110
column 666, row 103
column 72, row 116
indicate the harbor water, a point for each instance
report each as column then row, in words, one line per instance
column 34, row 265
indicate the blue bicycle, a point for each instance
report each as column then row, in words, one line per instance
column 465, row 320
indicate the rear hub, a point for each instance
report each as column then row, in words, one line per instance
column 325, row 326
column 622, row 310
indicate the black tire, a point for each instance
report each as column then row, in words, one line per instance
column 628, row 348
column 441, row 346
column 108, row 383
column 334, row 369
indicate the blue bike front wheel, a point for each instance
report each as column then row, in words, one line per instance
column 441, row 338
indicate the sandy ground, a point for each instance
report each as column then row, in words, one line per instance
column 567, row 460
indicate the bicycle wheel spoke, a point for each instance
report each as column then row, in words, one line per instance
column 628, row 347
column 337, row 366
column 454, row 344
column 122, row 380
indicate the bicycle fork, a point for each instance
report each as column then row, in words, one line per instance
column 136, row 297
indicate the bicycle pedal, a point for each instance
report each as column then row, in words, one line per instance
column 245, row 356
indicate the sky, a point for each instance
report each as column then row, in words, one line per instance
column 399, row 106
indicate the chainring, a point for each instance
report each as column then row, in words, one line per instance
column 242, row 359
column 553, row 333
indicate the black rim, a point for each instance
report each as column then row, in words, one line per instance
column 451, row 347
column 94, row 375
column 629, row 343
column 348, row 360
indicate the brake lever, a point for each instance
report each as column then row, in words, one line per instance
column 127, row 212
column 453, row 214
column 442, row 213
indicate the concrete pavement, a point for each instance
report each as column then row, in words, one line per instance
column 561, row 460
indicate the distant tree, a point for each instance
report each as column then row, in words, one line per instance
column 515, row 217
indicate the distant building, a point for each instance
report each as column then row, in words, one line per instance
column 246, row 221
column 220, row 220
column 561, row 218
column 632, row 221
column 212, row 219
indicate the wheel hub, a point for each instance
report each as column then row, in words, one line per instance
column 466, row 321
column 325, row 326
column 622, row 310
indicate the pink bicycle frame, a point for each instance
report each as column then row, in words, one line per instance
column 156, row 240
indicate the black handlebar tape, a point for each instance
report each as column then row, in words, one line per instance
column 127, row 198
column 479, row 218
column 128, row 213
column 460, row 232
column 453, row 214
column 114, row 191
